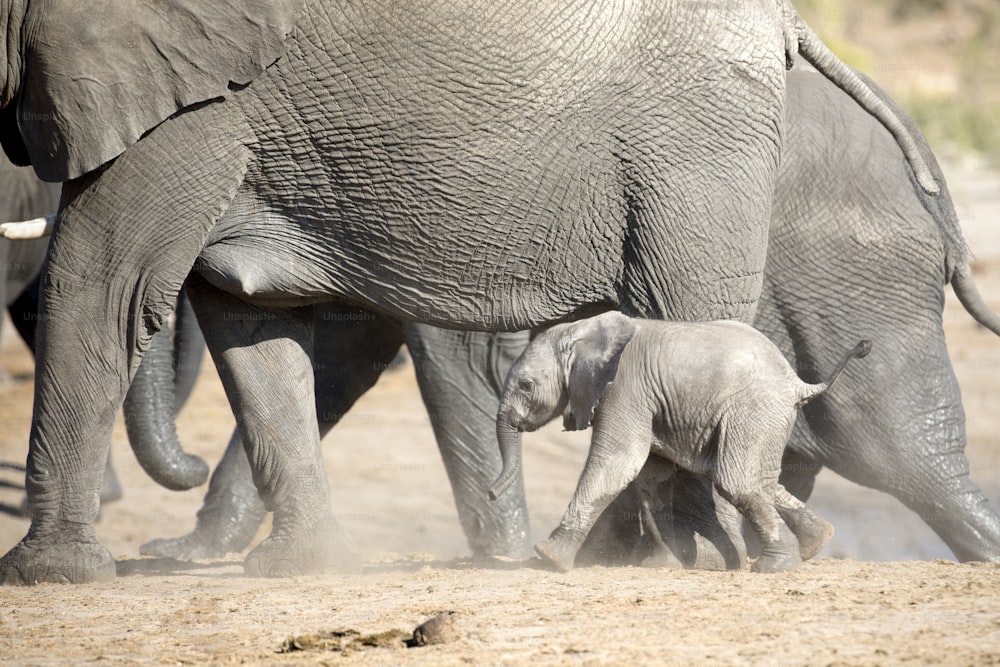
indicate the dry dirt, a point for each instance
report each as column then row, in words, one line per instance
column 884, row 592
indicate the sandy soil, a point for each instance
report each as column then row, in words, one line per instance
column 884, row 592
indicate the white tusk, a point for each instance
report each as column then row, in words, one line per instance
column 28, row 229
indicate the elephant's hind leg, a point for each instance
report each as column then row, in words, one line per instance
column 352, row 348
column 779, row 548
column 742, row 478
column 265, row 364
column 811, row 530
column 910, row 443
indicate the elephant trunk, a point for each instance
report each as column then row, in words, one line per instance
column 509, row 438
column 189, row 350
column 150, row 407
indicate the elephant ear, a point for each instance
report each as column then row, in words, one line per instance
column 595, row 352
column 99, row 74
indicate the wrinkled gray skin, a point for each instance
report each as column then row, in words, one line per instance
column 855, row 249
column 715, row 398
column 841, row 178
column 484, row 167
column 23, row 196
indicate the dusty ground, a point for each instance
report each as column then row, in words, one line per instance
column 847, row 607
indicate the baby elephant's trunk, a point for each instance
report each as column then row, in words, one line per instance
column 810, row 391
column 509, row 439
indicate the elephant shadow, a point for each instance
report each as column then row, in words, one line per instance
column 404, row 564
column 159, row 567
column 233, row 569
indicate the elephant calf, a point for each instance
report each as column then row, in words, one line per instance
column 716, row 398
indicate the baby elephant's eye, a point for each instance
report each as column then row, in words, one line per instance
column 526, row 384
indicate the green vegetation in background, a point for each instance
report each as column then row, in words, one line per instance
column 971, row 120
column 968, row 122
column 963, row 123
column 829, row 19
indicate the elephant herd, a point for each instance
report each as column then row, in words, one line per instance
column 325, row 183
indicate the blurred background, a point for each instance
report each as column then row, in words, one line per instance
column 940, row 59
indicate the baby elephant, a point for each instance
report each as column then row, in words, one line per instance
column 716, row 398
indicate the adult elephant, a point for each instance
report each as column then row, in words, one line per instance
column 492, row 169
column 855, row 249
column 887, row 251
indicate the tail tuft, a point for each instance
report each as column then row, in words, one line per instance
column 810, row 391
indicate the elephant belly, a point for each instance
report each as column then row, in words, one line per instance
column 437, row 272
column 690, row 447
column 477, row 174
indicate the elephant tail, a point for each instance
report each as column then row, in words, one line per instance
column 816, row 53
column 968, row 295
column 810, row 391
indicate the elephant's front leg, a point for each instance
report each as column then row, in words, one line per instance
column 461, row 375
column 617, row 454
column 127, row 237
column 266, row 367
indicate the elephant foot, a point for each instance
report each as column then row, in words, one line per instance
column 779, row 555
column 811, row 530
column 716, row 553
column 224, row 526
column 662, row 557
column 490, row 539
column 699, row 554
column 322, row 547
column 69, row 556
column 558, row 553
column 812, row 541
column 196, row 545
column 781, row 563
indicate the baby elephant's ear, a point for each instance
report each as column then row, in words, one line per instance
column 596, row 350
column 99, row 74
